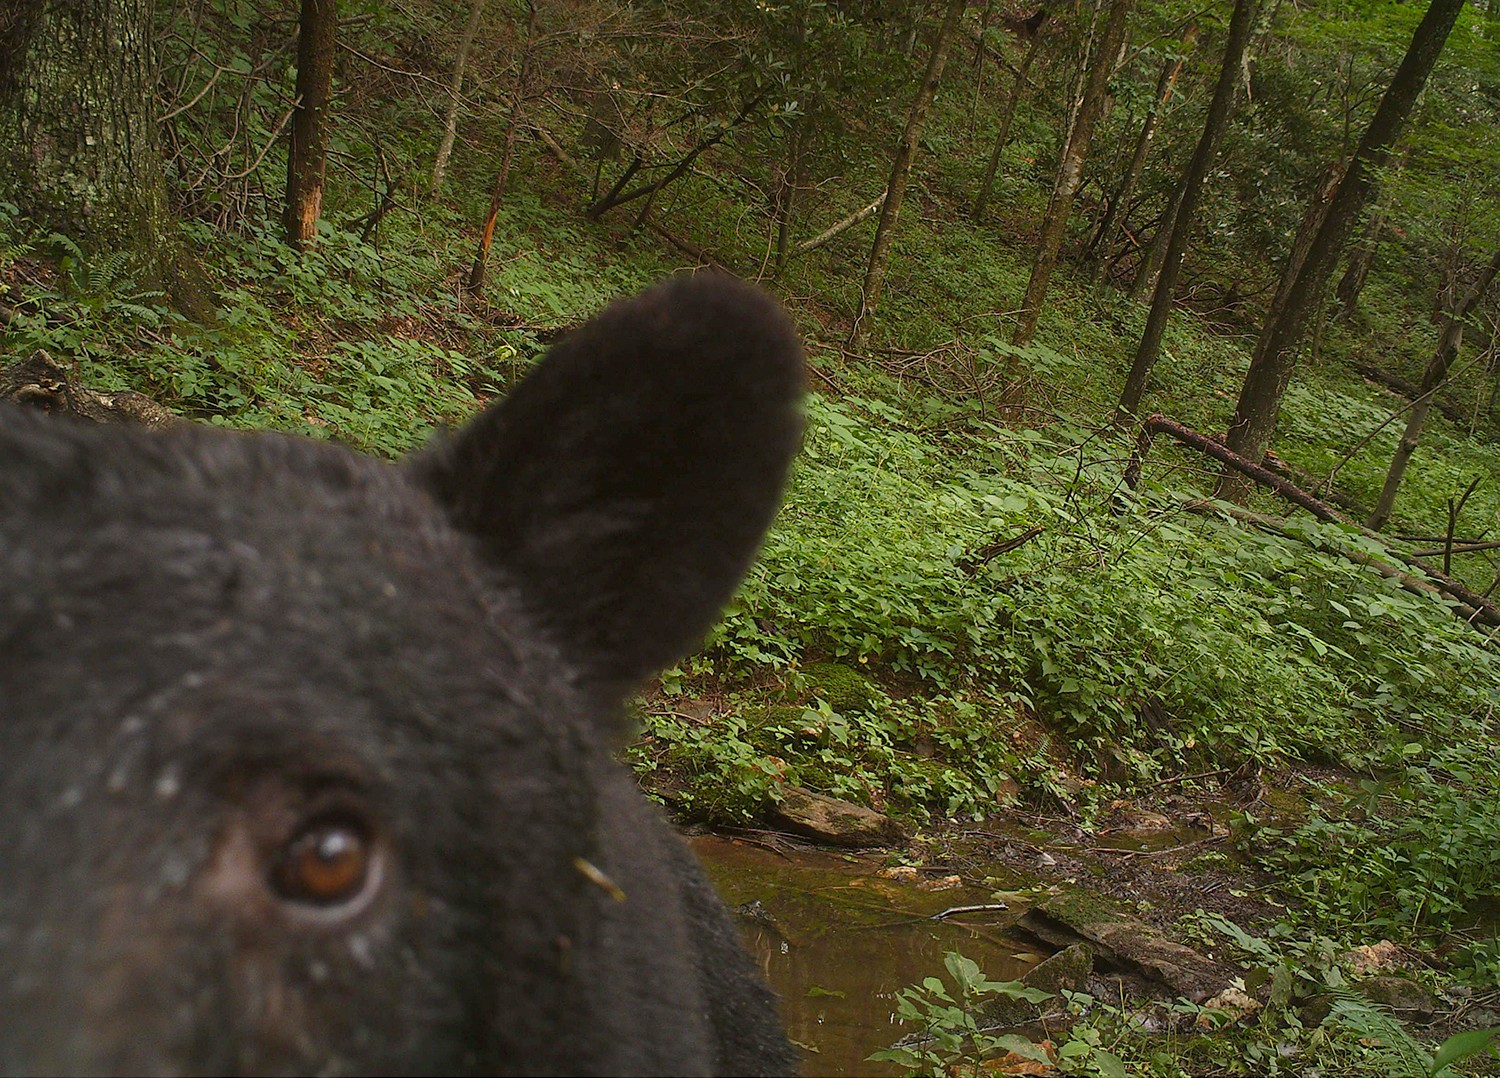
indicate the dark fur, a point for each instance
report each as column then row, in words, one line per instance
column 208, row 638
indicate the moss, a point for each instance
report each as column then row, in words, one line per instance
column 842, row 687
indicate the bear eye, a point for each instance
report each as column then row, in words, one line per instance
column 327, row 863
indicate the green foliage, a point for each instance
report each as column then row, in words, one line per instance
column 1354, row 1038
column 950, row 1024
column 1417, row 848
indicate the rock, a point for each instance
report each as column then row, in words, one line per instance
column 1407, row 999
column 1371, row 958
column 1233, row 1003
column 1125, row 941
column 838, row 823
column 1067, row 970
column 843, row 687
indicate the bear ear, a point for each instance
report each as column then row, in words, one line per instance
column 625, row 485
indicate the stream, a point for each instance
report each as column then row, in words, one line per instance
column 836, row 941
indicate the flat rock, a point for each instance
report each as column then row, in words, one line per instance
column 838, row 823
column 1126, row 942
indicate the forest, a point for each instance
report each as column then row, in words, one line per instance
column 1142, row 557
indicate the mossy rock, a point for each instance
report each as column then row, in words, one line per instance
column 842, row 687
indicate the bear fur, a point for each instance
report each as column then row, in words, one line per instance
column 306, row 759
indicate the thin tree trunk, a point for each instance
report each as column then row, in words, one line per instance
column 895, row 188
column 1150, row 267
column 475, row 282
column 1432, row 378
column 616, row 198
column 1114, row 216
column 1276, row 352
column 1070, row 171
column 1012, row 101
column 1361, row 260
column 455, row 92
column 308, row 155
column 1192, row 187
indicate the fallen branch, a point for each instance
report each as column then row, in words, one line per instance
column 1470, row 605
column 848, row 222
column 994, row 549
column 988, row 907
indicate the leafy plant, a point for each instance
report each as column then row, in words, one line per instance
column 950, row 1024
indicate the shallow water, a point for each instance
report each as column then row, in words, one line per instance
column 837, row 942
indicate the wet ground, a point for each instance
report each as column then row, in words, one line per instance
column 837, row 936
column 837, row 941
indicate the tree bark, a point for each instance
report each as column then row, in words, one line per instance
column 1008, row 114
column 79, row 136
column 307, row 157
column 895, row 188
column 1276, row 351
column 1192, row 187
column 1070, row 170
column 1114, row 216
column 455, row 92
column 1436, row 373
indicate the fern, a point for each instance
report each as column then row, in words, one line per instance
column 1382, row 1033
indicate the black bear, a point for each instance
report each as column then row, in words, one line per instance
column 306, row 759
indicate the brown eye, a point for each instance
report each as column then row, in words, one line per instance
column 326, row 864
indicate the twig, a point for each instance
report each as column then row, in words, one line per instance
column 987, row 907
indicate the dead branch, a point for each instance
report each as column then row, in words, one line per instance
column 848, row 222
column 1472, row 607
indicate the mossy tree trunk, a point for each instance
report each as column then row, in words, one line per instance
column 79, row 134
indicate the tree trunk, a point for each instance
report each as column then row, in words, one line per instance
column 79, row 137
column 1070, row 170
column 1361, row 259
column 1276, row 352
column 475, row 282
column 784, row 205
column 895, row 188
column 1192, row 187
column 1150, row 266
column 455, row 91
column 308, row 155
column 1114, row 216
column 1432, row 378
column 1012, row 101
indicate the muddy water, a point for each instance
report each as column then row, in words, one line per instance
column 837, row 942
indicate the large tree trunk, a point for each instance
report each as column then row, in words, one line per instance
column 78, row 135
column 1192, row 189
column 1008, row 114
column 1432, row 378
column 895, row 188
column 308, row 155
column 455, row 94
column 1070, row 170
column 1114, row 215
column 1276, row 352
